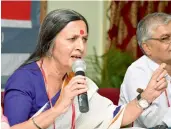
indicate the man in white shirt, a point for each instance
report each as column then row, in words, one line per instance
column 154, row 38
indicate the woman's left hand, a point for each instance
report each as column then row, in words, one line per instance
column 157, row 84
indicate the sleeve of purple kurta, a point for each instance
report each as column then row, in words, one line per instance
column 19, row 95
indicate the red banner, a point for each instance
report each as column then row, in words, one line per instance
column 16, row 10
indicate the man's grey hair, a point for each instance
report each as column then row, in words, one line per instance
column 147, row 25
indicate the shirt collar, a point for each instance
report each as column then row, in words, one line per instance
column 153, row 66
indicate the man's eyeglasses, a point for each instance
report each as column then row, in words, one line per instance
column 166, row 39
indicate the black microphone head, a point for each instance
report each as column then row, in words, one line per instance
column 79, row 65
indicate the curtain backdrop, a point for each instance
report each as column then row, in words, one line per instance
column 124, row 16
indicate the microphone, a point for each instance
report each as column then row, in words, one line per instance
column 78, row 67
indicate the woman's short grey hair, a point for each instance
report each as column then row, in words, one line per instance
column 148, row 24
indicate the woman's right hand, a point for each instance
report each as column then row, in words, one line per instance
column 76, row 86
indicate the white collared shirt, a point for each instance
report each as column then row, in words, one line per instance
column 138, row 75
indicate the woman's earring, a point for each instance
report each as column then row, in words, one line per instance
column 49, row 54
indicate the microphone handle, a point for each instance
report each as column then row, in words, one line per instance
column 82, row 98
column 80, row 73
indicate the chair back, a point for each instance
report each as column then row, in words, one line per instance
column 110, row 93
